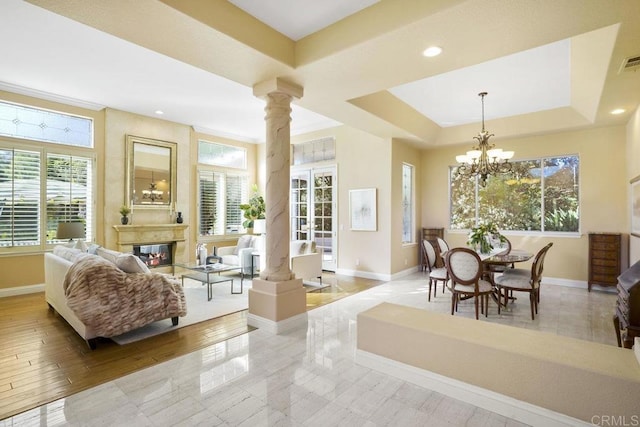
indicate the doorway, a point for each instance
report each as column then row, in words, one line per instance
column 313, row 210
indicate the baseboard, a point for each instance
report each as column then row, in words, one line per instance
column 483, row 398
column 364, row 274
column 277, row 327
column 581, row 284
column 21, row 290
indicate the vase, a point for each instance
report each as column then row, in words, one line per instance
column 124, row 220
column 179, row 218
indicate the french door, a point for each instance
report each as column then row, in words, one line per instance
column 313, row 210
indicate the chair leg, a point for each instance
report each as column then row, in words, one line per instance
column 499, row 291
column 453, row 303
column 429, row 292
column 486, row 305
column 532, row 302
column 476, row 303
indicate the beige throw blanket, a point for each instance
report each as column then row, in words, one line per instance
column 113, row 302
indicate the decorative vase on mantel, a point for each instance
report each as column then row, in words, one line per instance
column 179, row 218
column 124, row 220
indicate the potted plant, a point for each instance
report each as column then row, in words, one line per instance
column 124, row 211
column 482, row 237
column 253, row 209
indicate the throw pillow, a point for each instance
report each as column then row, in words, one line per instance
column 297, row 247
column 70, row 254
column 243, row 242
column 129, row 263
column 108, row 254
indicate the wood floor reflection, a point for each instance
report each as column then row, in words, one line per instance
column 43, row 359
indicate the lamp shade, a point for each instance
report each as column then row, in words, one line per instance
column 70, row 230
column 259, row 226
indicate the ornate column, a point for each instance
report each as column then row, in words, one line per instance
column 277, row 295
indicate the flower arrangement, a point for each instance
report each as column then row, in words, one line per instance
column 482, row 236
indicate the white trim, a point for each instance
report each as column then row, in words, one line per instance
column 21, row 290
column 34, row 93
column 363, row 274
column 569, row 283
column 277, row 327
column 483, row 398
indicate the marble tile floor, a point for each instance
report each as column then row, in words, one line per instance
column 308, row 377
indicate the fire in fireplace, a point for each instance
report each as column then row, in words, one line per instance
column 154, row 255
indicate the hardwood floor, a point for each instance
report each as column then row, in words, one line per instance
column 43, row 359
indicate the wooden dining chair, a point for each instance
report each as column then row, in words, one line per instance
column 465, row 279
column 523, row 280
column 441, row 250
column 436, row 274
column 492, row 269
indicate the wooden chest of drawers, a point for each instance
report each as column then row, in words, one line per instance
column 607, row 258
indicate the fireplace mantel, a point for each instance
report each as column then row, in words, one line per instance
column 128, row 235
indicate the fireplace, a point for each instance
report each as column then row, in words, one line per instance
column 144, row 235
column 155, row 254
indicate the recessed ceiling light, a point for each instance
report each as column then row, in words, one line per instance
column 618, row 111
column 432, row 51
column 159, row 112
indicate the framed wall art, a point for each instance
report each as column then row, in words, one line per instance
column 362, row 208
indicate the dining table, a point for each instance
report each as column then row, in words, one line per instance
column 502, row 260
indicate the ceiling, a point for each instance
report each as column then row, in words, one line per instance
column 548, row 66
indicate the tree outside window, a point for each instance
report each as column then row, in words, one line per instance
column 535, row 189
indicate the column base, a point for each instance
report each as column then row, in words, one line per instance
column 277, row 306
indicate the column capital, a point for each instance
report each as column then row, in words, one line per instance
column 277, row 85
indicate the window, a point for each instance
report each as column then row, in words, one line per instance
column 314, row 151
column 540, row 195
column 407, row 203
column 214, row 154
column 37, row 124
column 220, row 196
column 43, row 183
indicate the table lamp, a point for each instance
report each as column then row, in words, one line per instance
column 71, row 231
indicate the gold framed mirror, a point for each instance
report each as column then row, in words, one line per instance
column 151, row 172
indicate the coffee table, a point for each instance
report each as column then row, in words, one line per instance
column 209, row 274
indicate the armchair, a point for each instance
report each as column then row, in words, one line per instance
column 241, row 254
column 306, row 261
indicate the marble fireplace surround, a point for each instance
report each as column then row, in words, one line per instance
column 129, row 235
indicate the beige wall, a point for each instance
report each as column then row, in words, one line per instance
column 603, row 192
column 363, row 161
column 118, row 125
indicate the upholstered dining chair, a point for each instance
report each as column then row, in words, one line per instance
column 523, row 280
column 492, row 269
column 443, row 247
column 465, row 279
column 436, row 274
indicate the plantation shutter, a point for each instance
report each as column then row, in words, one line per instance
column 20, row 198
column 69, row 187
column 210, row 201
column 236, row 194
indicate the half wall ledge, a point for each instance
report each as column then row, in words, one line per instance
column 534, row 377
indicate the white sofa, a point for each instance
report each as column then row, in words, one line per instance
column 112, row 270
column 306, row 258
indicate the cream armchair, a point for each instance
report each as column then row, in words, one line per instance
column 306, row 261
column 241, row 254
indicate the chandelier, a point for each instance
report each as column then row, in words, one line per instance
column 152, row 193
column 484, row 160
